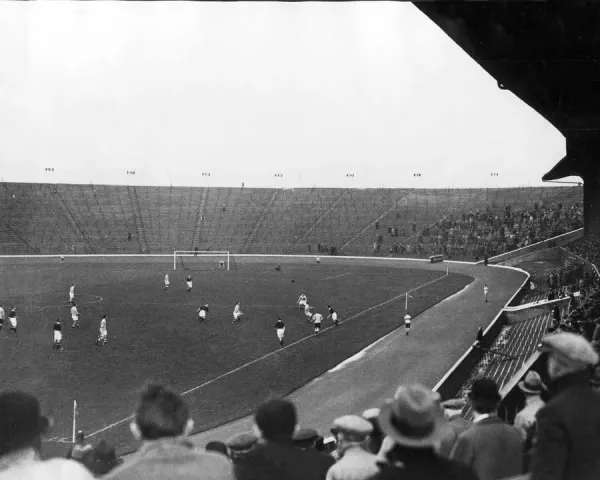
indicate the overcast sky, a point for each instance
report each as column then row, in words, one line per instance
column 247, row 90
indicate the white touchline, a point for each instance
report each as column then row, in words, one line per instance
column 275, row 352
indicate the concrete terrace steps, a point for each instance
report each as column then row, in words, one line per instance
column 519, row 340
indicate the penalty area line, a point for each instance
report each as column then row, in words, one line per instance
column 275, row 352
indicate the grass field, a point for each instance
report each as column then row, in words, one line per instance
column 153, row 335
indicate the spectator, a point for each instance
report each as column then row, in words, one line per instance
column 532, row 387
column 217, row 447
column 240, row 446
column 101, row 459
column 21, row 430
column 376, row 436
column 306, row 438
column 354, row 462
column 276, row 457
column 79, row 448
column 568, row 427
column 162, row 423
column 414, row 423
column 490, row 447
column 456, row 424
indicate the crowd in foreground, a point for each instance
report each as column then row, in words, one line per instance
column 415, row 435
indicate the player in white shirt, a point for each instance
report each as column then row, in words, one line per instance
column 2, row 317
column 12, row 318
column 317, row 320
column 237, row 313
column 309, row 315
column 318, row 260
column 74, row 316
column 485, row 292
column 103, row 332
column 407, row 320
column 188, row 280
column 167, row 281
column 333, row 315
column 72, row 293
column 202, row 312
column 302, row 300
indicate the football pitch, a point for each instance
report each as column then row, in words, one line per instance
column 224, row 369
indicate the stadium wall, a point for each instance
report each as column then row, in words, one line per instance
column 551, row 242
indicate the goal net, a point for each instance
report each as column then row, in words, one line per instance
column 203, row 260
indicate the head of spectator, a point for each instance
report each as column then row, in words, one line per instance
column 21, row 428
column 453, row 408
column 101, row 459
column 351, row 431
column 161, row 414
column 484, row 396
column 79, row 448
column 21, row 424
column 217, row 447
column 306, row 438
column 413, row 419
column 241, row 445
column 568, row 353
column 376, row 436
column 532, row 385
column 275, row 421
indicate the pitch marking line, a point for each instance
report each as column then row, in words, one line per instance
column 275, row 352
column 100, row 299
column 336, row 276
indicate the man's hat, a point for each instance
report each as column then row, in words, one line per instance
column 532, row 383
column 454, row 404
column 574, row 351
column 305, row 437
column 413, row 418
column 484, row 393
column 242, row 442
column 20, row 420
column 352, row 425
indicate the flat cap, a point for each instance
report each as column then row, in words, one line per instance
column 242, row 442
column 454, row 404
column 305, row 435
column 352, row 424
column 574, row 349
column 371, row 413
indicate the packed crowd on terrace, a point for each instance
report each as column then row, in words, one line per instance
column 414, row 435
column 484, row 232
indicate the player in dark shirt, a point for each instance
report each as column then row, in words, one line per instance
column 57, row 335
column 280, row 328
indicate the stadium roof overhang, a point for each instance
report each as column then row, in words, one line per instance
column 546, row 53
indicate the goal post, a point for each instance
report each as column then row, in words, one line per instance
column 188, row 258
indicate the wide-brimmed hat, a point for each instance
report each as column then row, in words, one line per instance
column 413, row 418
column 532, row 383
column 21, row 420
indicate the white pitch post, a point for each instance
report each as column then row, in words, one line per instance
column 227, row 261
column 74, row 419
